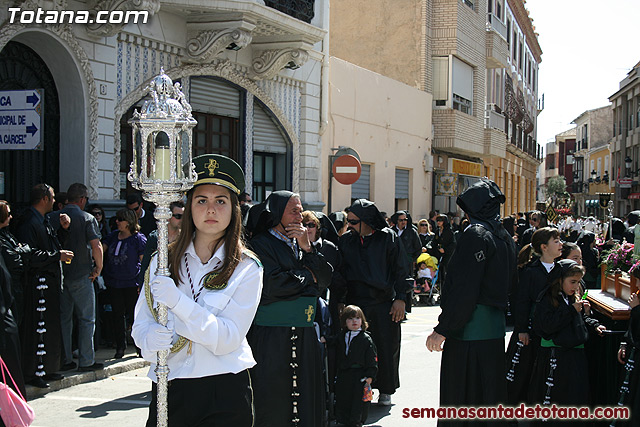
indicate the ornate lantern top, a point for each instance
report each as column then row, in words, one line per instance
column 167, row 101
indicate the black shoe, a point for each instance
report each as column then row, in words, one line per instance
column 95, row 367
column 39, row 382
column 119, row 354
column 53, row 377
column 69, row 366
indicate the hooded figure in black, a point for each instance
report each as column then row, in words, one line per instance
column 295, row 274
column 590, row 259
column 375, row 268
column 472, row 321
column 408, row 236
column 632, row 219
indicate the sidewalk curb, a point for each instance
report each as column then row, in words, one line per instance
column 73, row 378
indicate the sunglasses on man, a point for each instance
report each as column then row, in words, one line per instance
column 177, row 216
column 353, row 221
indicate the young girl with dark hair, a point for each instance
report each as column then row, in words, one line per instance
column 538, row 258
column 561, row 318
column 212, row 295
column 357, row 367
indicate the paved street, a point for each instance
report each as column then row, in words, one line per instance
column 123, row 399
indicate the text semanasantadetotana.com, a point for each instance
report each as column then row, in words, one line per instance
column 521, row 412
column 41, row 16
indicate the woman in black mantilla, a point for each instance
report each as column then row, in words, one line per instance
column 561, row 319
column 287, row 379
column 628, row 355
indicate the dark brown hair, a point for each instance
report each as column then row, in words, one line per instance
column 4, row 210
column 131, row 218
column 232, row 240
column 567, row 248
column 350, row 312
column 556, row 285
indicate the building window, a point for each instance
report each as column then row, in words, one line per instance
column 461, row 104
column 469, row 3
column 462, row 86
column 520, row 56
column 215, row 135
column 264, row 175
column 509, row 33
column 441, row 80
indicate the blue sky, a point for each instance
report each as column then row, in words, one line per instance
column 588, row 47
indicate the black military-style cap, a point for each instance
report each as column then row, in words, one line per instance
column 220, row 170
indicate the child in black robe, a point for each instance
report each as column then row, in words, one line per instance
column 628, row 355
column 357, row 366
column 561, row 318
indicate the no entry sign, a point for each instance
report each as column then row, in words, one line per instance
column 346, row 169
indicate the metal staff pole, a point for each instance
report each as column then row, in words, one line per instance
column 162, row 144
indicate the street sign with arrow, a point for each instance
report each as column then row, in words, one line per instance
column 21, row 119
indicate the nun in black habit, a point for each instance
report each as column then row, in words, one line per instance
column 375, row 268
column 472, row 321
column 287, row 380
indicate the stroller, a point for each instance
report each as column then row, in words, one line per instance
column 426, row 288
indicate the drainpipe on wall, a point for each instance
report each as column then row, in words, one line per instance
column 324, row 80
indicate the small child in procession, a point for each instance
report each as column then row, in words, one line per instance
column 357, row 367
column 561, row 319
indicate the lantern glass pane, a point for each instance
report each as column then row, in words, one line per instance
column 183, row 154
column 137, row 153
column 162, row 157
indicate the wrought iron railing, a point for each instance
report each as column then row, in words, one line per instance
column 299, row 9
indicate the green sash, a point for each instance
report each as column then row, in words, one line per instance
column 299, row 312
column 550, row 343
column 486, row 323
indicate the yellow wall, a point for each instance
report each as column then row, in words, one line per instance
column 380, row 35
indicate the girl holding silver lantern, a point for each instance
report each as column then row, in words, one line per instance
column 212, row 296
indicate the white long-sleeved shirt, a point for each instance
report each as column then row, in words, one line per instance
column 217, row 324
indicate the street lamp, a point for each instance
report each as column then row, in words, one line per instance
column 627, row 163
column 593, row 176
column 162, row 145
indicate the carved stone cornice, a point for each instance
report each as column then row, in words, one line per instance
column 108, row 30
column 208, row 44
column 271, row 61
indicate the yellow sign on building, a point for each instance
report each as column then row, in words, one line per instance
column 466, row 168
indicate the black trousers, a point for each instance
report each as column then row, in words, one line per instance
column 123, row 302
column 224, row 400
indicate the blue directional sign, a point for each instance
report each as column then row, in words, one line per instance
column 21, row 119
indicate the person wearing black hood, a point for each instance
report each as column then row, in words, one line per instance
column 472, row 323
column 632, row 218
column 408, row 236
column 590, row 259
column 287, row 380
column 375, row 268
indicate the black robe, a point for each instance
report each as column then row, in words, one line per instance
column 480, row 272
column 632, row 339
column 568, row 329
column 287, row 277
column 354, row 366
column 531, row 282
column 16, row 258
column 472, row 320
column 44, row 263
column 376, row 273
column 9, row 338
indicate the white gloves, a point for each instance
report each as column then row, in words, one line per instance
column 159, row 337
column 165, row 291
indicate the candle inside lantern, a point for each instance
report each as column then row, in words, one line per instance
column 162, row 163
column 162, row 157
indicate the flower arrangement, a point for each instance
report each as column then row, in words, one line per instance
column 620, row 257
column 564, row 211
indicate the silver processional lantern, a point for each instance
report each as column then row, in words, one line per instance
column 163, row 171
